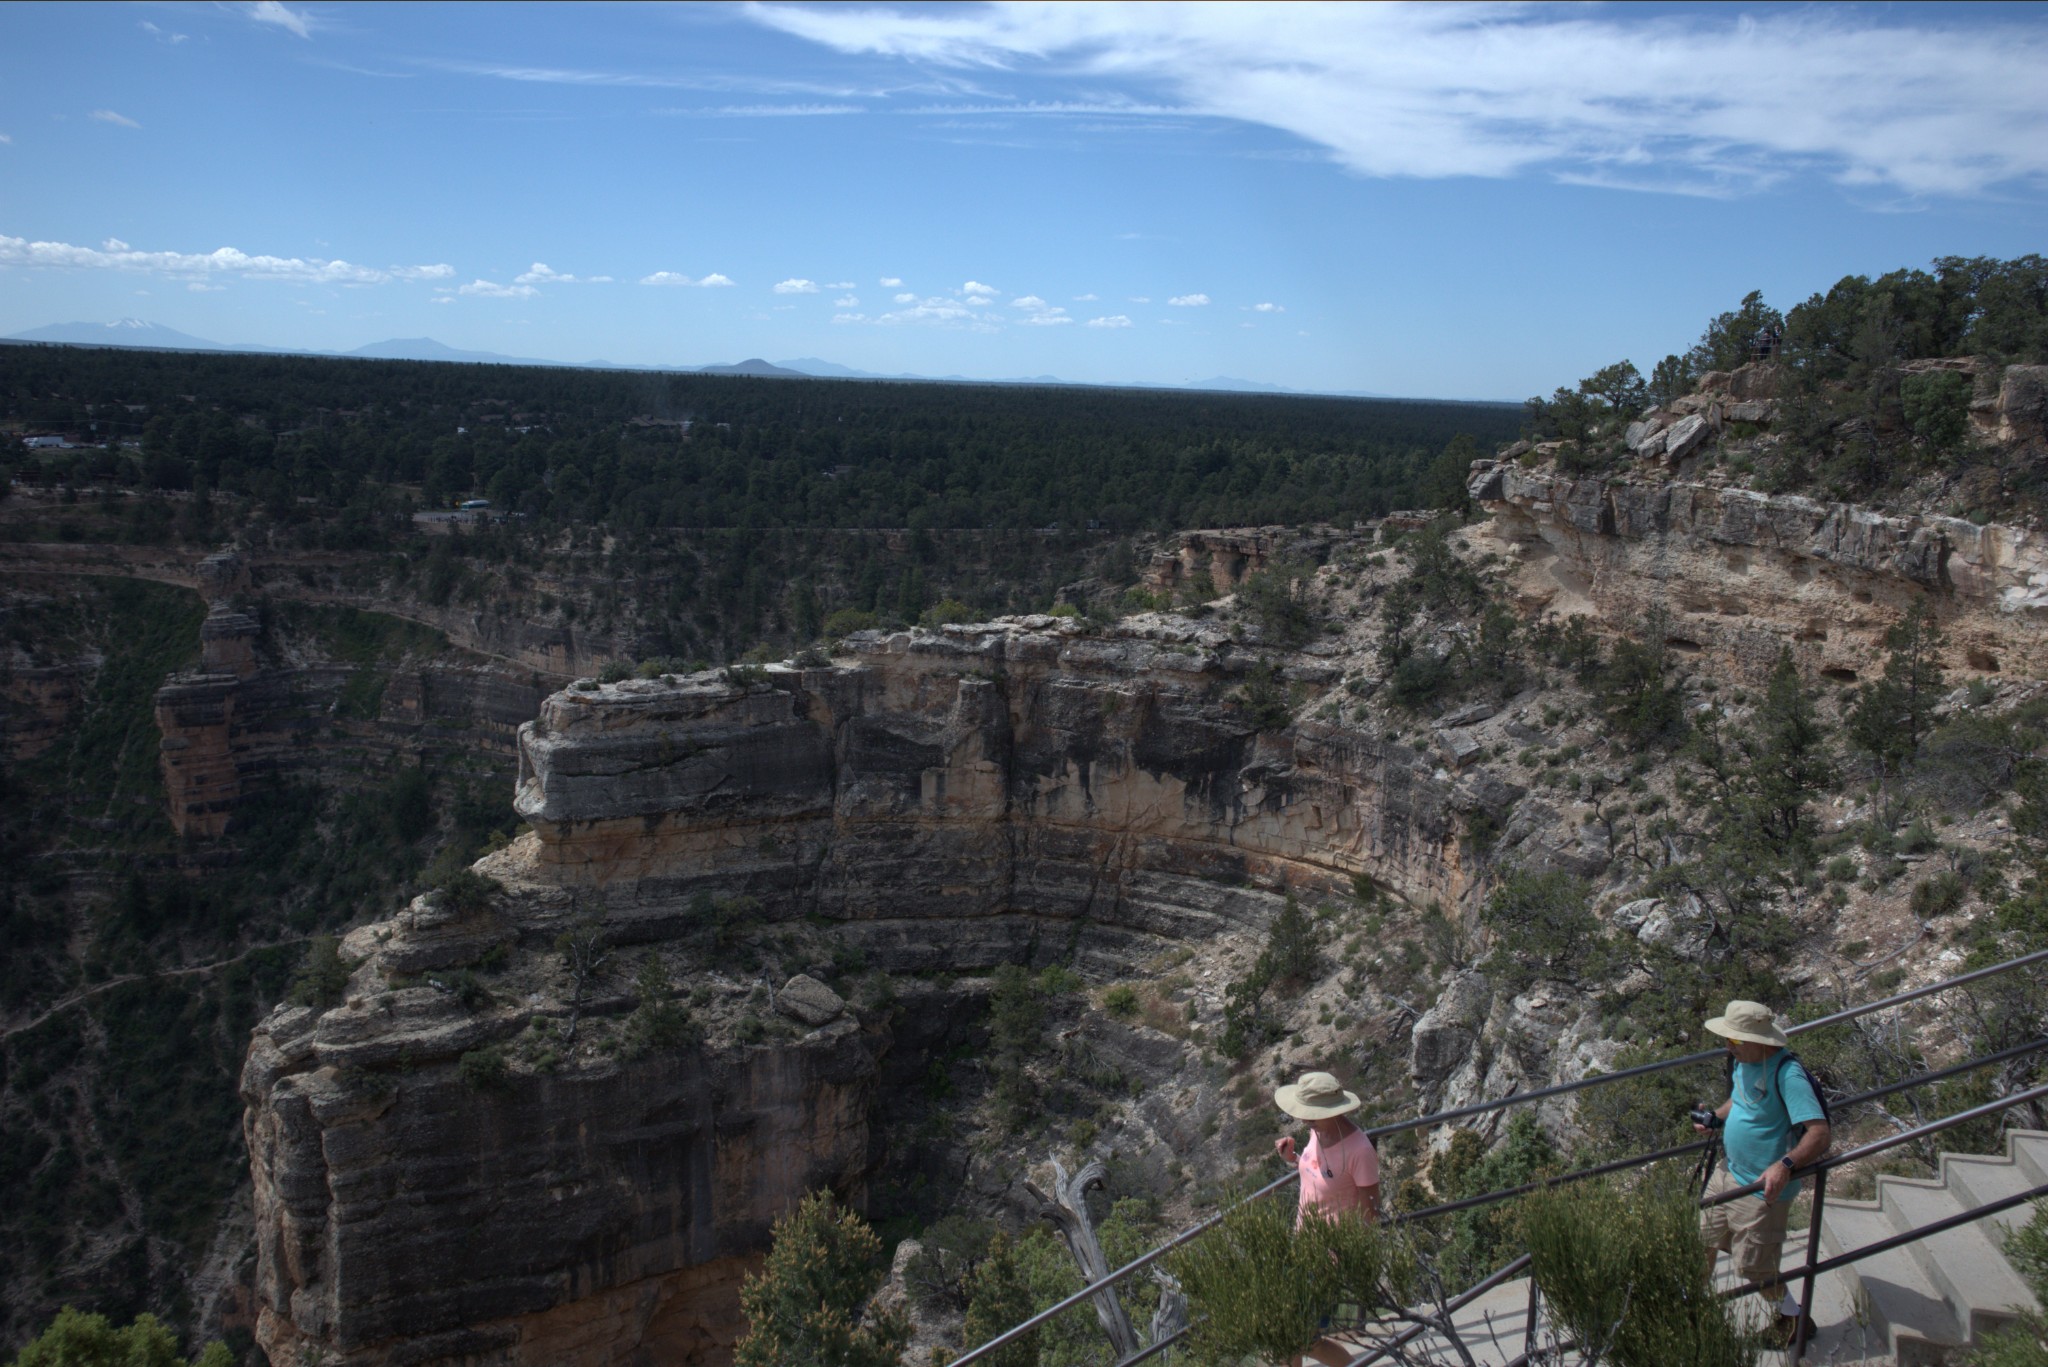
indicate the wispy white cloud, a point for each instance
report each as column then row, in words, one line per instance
column 114, row 254
column 796, row 286
column 841, row 285
column 171, row 39
column 109, row 116
column 890, row 282
column 1084, row 298
column 760, row 111
column 1140, row 299
column 1906, row 101
column 711, row 81
column 943, row 311
column 281, row 16
column 6, row 139
column 1269, row 308
column 541, row 274
column 905, row 298
column 1114, row 320
column 846, row 302
column 849, row 317
column 488, row 289
column 205, row 287
column 1189, row 301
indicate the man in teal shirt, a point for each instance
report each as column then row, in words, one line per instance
column 1772, row 1123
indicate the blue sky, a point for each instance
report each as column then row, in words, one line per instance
column 1465, row 201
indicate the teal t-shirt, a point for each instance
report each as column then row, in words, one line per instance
column 1759, row 1128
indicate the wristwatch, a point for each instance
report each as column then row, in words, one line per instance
column 1790, row 1166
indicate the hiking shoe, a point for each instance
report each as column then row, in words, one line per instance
column 1788, row 1331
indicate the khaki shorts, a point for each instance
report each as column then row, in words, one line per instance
column 1749, row 1229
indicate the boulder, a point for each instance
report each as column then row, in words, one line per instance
column 1684, row 437
column 806, row 1000
column 1751, row 410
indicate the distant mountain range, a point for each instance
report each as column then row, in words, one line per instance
column 134, row 332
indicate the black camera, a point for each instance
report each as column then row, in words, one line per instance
column 1704, row 1116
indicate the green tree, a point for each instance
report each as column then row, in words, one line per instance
column 1619, row 387
column 79, row 1340
column 999, row 1297
column 1444, row 479
column 1543, row 927
column 1730, row 337
column 804, row 1308
column 1635, row 687
column 1892, row 715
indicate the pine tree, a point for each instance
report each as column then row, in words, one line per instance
column 805, row 1307
column 999, row 1298
column 1788, row 759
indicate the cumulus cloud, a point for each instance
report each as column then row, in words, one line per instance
column 846, row 302
column 976, row 287
column 109, row 116
column 486, row 289
column 278, row 15
column 1188, row 301
column 714, row 281
column 1870, row 98
column 540, row 274
column 906, row 298
column 1269, row 308
column 941, row 311
column 796, row 286
column 1038, row 313
column 890, row 282
column 1114, row 320
column 666, row 278
column 115, row 254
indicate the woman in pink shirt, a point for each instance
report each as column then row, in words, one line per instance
column 1340, row 1169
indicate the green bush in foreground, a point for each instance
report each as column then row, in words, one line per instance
column 78, row 1340
column 1257, row 1287
column 1623, row 1272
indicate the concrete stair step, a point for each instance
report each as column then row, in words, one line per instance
column 2029, row 1149
column 1980, row 1181
column 1963, row 1263
column 1900, row 1305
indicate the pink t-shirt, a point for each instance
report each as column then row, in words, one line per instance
column 1329, row 1181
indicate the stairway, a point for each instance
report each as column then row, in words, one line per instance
column 1915, row 1305
column 1919, row 1303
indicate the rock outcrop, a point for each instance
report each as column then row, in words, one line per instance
column 1741, row 575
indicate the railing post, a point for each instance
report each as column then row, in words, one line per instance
column 1529, row 1323
column 1820, row 1200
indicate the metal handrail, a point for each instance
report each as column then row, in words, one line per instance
column 1451, row 1307
column 1886, row 1245
column 1644, row 1160
column 1444, row 1117
column 1892, row 1141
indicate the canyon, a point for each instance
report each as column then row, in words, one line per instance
column 931, row 804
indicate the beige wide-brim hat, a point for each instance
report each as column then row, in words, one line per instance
column 1316, row 1097
column 1751, row 1021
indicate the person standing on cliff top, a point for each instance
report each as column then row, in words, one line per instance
column 1340, row 1169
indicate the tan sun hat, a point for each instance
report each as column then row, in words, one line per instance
column 1751, row 1021
column 1316, row 1097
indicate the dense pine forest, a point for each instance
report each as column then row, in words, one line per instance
column 325, row 441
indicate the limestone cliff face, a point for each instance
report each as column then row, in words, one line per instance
column 1743, row 574
column 1010, row 792
column 603, row 1217
column 957, row 798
